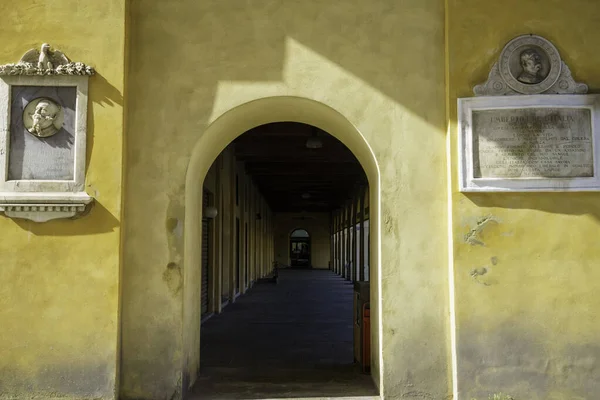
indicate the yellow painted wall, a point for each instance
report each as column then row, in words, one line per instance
column 192, row 61
column 529, row 327
column 317, row 225
column 59, row 297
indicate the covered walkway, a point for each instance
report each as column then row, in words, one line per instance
column 287, row 340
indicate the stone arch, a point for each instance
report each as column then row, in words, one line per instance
column 213, row 141
column 299, row 228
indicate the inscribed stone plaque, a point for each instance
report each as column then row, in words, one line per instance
column 42, row 158
column 532, row 143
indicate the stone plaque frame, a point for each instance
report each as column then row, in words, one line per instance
column 467, row 180
column 41, row 200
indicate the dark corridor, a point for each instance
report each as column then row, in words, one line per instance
column 286, row 340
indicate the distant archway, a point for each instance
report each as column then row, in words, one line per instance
column 212, row 142
column 300, row 251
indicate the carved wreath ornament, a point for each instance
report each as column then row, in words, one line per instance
column 46, row 62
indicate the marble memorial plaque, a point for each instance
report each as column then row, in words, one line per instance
column 532, row 143
column 46, row 153
column 43, row 136
column 529, row 143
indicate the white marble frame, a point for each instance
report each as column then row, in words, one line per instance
column 52, row 198
column 466, row 106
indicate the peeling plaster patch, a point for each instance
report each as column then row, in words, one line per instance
column 473, row 237
column 172, row 277
column 388, row 222
column 477, row 272
column 175, row 226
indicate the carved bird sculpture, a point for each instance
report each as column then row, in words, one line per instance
column 44, row 59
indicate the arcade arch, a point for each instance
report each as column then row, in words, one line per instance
column 213, row 141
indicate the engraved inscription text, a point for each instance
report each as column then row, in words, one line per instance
column 532, row 143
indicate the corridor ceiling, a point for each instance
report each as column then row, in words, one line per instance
column 294, row 178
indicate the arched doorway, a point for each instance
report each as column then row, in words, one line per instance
column 300, row 248
column 214, row 140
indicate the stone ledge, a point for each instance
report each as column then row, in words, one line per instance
column 42, row 207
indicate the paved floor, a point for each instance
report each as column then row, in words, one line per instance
column 292, row 339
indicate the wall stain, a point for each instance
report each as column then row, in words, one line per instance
column 172, row 224
column 511, row 359
column 474, row 236
column 173, row 278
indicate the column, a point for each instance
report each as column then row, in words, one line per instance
column 361, row 207
column 218, row 241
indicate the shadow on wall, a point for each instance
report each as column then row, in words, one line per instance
column 182, row 54
column 103, row 93
column 192, row 46
column 579, row 203
column 96, row 219
column 100, row 91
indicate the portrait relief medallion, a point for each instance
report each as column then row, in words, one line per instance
column 530, row 64
column 43, row 117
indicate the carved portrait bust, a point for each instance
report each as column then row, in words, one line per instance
column 43, row 117
column 531, row 62
column 528, row 64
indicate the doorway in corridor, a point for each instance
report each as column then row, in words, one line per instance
column 300, row 248
column 290, row 195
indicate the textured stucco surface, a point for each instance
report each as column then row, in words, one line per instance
column 60, row 279
column 528, row 327
column 193, row 61
column 524, row 265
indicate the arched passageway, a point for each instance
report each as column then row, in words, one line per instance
column 300, row 248
column 251, row 233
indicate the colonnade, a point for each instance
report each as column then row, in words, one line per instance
column 241, row 246
column 350, row 237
